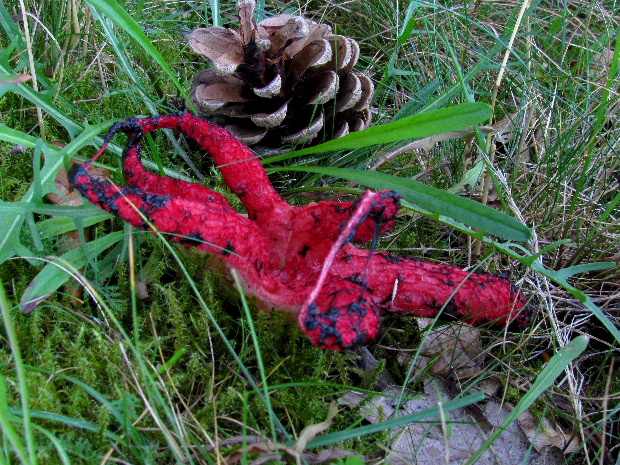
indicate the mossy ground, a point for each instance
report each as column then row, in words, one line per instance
column 149, row 380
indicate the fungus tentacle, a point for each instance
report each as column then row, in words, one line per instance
column 298, row 259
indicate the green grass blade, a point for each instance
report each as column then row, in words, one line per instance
column 215, row 12
column 596, row 310
column 257, row 350
column 128, row 66
column 10, row 434
column 55, row 273
column 96, row 395
column 23, row 386
column 37, row 159
column 328, row 439
column 62, row 454
column 430, row 198
column 545, row 379
column 58, row 225
column 425, row 124
column 171, row 362
column 15, row 137
column 83, row 211
column 122, row 19
column 71, row 422
column 68, row 421
column 561, row 277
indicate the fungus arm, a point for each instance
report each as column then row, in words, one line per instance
column 207, row 225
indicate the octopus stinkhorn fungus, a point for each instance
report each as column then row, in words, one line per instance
column 298, row 259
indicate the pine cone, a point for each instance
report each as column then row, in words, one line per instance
column 286, row 80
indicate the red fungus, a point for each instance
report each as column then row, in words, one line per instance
column 296, row 258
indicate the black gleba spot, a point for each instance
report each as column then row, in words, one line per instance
column 229, row 249
column 192, row 239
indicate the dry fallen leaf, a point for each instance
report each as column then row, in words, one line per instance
column 428, row 443
column 453, row 349
column 310, row 432
column 546, row 434
column 268, row 452
column 454, row 352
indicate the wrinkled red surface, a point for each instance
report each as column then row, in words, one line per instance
column 296, row 258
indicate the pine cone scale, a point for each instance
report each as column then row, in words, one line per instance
column 220, row 45
column 270, row 90
column 285, row 80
